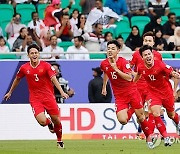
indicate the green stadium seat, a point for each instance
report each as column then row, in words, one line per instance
column 176, row 10
column 140, row 21
column 123, row 31
column 177, row 55
column 123, row 23
column 41, row 8
column 6, row 12
column 97, row 56
column 173, row 3
column 8, row 56
column 167, row 55
column 25, row 10
column 147, row 1
column 164, row 19
column 65, row 44
column 64, row 3
column 108, row 30
column 76, row 6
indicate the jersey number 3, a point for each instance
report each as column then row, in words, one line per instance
column 36, row 77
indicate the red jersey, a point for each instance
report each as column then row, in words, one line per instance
column 120, row 86
column 39, row 80
column 136, row 60
column 155, row 77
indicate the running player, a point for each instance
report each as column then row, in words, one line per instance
column 127, row 98
column 155, row 72
column 40, row 75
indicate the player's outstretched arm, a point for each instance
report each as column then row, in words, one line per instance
column 58, row 86
column 105, row 80
column 13, row 86
column 136, row 77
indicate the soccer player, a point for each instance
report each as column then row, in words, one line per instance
column 155, row 72
column 40, row 75
column 125, row 91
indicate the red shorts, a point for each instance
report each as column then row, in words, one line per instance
column 145, row 96
column 167, row 103
column 50, row 106
column 134, row 100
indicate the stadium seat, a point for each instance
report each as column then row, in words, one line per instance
column 140, row 21
column 6, row 12
column 176, row 10
column 125, row 31
column 65, row 45
column 25, row 10
column 173, row 3
column 76, row 6
column 177, row 55
column 109, row 30
column 41, row 9
column 167, row 55
column 147, row 1
column 3, row 25
column 8, row 56
column 123, row 23
column 164, row 19
column 64, row 3
column 97, row 56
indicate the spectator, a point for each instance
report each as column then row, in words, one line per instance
column 64, row 29
column 175, row 39
column 17, row 46
column 1, row 32
column 178, row 96
column 124, row 48
column 136, row 7
column 53, row 13
column 77, row 48
column 45, row 37
column 170, row 25
column 155, row 23
column 64, row 84
column 4, row 1
column 101, row 14
column 13, row 28
column 108, row 36
column 95, row 88
column 94, row 39
column 36, row 23
column 118, row 6
column 80, row 28
column 3, row 47
column 87, row 5
column 74, row 17
column 56, row 50
column 134, row 41
column 160, row 42
column 158, row 7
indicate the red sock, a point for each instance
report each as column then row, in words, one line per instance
column 130, row 113
column 160, row 126
column 145, row 128
column 176, row 119
column 58, row 131
column 48, row 121
column 151, row 122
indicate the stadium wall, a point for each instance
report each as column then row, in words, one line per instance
column 80, row 121
column 78, row 73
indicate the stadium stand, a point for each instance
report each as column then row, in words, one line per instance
column 167, row 55
column 97, row 56
column 65, row 45
column 41, row 8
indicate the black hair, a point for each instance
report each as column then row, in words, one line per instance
column 33, row 46
column 16, row 14
column 144, row 48
column 96, row 25
column 149, row 34
column 2, row 38
column 52, row 36
column 119, row 36
column 22, row 29
column 33, row 14
column 171, row 14
column 79, row 22
column 115, row 43
column 106, row 34
column 80, row 38
column 100, row 1
column 73, row 12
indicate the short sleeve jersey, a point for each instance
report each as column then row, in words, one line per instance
column 137, row 59
column 38, row 79
column 156, row 78
column 119, row 85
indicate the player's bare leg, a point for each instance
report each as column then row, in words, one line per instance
column 122, row 116
column 58, row 130
column 175, row 117
column 150, row 137
column 156, row 110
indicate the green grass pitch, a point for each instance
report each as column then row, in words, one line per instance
column 84, row 147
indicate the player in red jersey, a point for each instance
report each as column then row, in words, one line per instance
column 40, row 75
column 155, row 73
column 125, row 91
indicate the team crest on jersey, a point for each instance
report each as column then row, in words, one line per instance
column 28, row 71
column 40, row 70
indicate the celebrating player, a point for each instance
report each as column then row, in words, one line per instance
column 155, row 72
column 40, row 75
column 127, row 98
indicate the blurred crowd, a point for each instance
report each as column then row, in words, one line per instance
column 88, row 27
